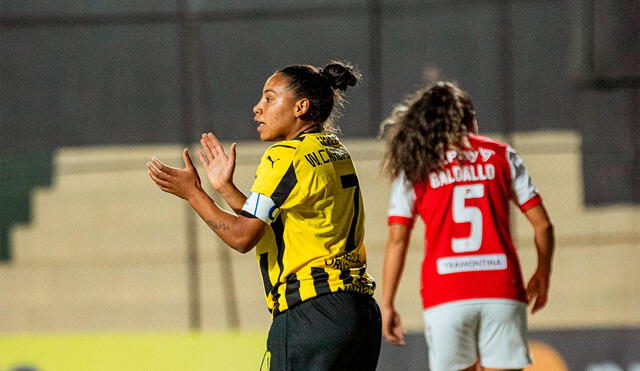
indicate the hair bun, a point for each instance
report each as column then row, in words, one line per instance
column 340, row 76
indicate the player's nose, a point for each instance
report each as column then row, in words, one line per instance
column 257, row 109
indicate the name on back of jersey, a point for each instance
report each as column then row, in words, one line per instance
column 464, row 173
column 326, row 155
column 471, row 170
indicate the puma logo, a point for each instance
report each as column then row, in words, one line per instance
column 273, row 162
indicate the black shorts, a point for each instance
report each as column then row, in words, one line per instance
column 337, row 331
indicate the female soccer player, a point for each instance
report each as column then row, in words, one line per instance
column 312, row 260
column 460, row 184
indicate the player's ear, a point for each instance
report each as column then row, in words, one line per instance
column 302, row 107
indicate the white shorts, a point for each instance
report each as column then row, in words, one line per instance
column 492, row 330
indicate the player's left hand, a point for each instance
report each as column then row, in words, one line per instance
column 537, row 290
column 180, row 182
column 218, row 166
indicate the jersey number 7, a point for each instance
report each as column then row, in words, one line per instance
column 351, row 181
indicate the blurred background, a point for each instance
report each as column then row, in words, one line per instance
column 99, row 270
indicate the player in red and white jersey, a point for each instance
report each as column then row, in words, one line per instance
column 460, row 184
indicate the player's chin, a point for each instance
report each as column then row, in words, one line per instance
column 265, row 138
column 264, row 135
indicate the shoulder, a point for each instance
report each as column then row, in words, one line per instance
column 284, row 150
column 482, row 141
column 488, row 146
column 327, row 146
column 317, row 140
column 285, row 146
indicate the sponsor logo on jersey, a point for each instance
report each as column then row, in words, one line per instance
column 329, row 140
column 472, row 263
column 486, row 154
column 469, row 156
column 273, row 162
column 451, row 155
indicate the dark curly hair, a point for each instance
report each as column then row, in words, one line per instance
column 324, row 87
column 424, row 127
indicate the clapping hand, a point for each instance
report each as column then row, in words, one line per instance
column 218, row 166
column 181, row 182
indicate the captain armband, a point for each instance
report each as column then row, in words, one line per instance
column 262, row 207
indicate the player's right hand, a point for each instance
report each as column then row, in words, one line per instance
column 183, row 183
column 392, row 327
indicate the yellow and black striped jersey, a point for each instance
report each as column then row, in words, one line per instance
column 307, row 190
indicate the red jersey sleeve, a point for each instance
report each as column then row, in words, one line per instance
column 402, row 202
column 525, row 192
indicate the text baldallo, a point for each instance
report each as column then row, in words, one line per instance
column 465, row 173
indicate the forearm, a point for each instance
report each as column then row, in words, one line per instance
column 233, row 197
column 394, row 261
column 543, row 236
column 230, row 228
column 545, row 243
column 391, row 274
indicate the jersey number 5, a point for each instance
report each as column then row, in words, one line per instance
column 467, row 214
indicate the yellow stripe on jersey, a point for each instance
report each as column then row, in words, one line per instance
column 315, row 245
